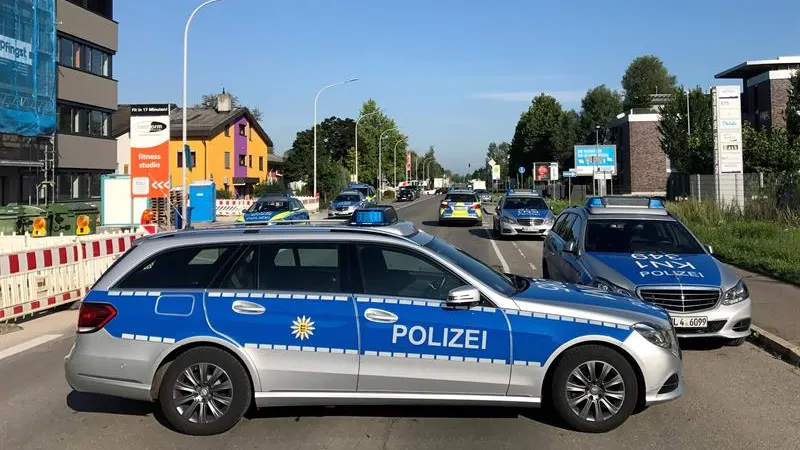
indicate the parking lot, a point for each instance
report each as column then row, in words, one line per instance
column 737, row 397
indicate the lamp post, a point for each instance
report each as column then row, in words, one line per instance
column 380, row 161
column 350, row 80
column 430, row 160
column 688, row 119
column 394, row 164
column 185, row 192
column 359, row 120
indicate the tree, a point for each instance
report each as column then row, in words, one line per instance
column 568, row 136
column 499, row 153
column 793, row 108
column 599, row 106
column 688, row 153
column 769, row 150
column 539, row 135
column 646, row 75
column 369, row 131
column 210, row 101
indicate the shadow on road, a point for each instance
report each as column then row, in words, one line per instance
column 106, row 404
column 453, row 224
column 702, row 344
column 488, row 234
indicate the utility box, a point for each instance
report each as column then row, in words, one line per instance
column 203, row 200
column 74, row 218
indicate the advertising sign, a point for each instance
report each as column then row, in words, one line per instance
column 553, row 171
column 408, row 162
column 595, row 158
column 28, row 67
column 727, row 112
column 495, row 172
column 541, row 171
column 150, row 151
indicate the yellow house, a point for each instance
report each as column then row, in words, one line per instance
column 228, row 146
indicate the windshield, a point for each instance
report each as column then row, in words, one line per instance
column 347, row 198
column 466, row 198
column 267, row 206
column 476, row 268
column 639, row 235
column 364, row 191
column 525, row 203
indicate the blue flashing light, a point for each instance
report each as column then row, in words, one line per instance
column 510, row 191
column 656, row 203
column 375, row 216
column 533, row 191
column 595, row 202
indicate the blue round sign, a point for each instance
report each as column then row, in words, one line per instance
column 521, row 169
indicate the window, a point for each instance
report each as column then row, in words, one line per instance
column 250, row 133
column 65, row 55
column 261, row 163
column 400, row 273
column 227, row 160
column 81, row 56
column 242, row 129
column 566, row 229
column 83, row 121
column 577, row 229
column 100, row 7
column 478, row 269
column 639, row 236
column 299, row 267
column 250, row 161
column 242, row 160
column 244, row 274
column 180, row 158
column 181, row 268
column 227, row 131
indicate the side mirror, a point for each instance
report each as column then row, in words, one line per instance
column 463, row 296
column 709, row 249
column 571, row 247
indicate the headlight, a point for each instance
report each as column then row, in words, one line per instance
column 611, row 287
column 657, row 336
column 507, row 219
column 549, row 220
column 737, row 294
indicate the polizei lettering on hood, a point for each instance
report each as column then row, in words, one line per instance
column 664, row 265
column 443, row 337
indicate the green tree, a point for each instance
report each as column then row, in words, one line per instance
column 599, row 106
column 499, row 153
column 793, row 108
column 539, row 135
column 568, row 136
column 688, row 153
column 210, row 101
column 646, row 75
column 769, row 150
column 369, row 130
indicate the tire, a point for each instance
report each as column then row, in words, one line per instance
column 580, row 358
column 238, row 396
column 736, row 342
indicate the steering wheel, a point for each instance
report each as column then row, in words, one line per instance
column 434, row 289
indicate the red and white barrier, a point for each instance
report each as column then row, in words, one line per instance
column 235, row 207
column 39, row 279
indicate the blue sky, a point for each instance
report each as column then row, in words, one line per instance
column 454, row 74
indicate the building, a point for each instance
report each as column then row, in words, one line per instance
column 765, row 88
column 228, row 146
column 86, row 96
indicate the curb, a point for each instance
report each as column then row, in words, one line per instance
column 775, row 344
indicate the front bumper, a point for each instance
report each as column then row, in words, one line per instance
column 514, row 229
column 335, row 213
column 724, row 321
column 661, row 369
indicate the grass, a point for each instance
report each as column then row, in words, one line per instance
column 758, row 239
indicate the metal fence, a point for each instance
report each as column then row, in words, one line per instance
column 780, row 190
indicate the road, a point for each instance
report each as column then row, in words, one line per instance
column 737, row 398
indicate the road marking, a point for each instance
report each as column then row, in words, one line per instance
column 497, row 252
column 35, row 342
column 414, row 202
column 520, row 252
column 533, row 268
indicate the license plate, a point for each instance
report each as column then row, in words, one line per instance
column 690, row 322
column 461, row 208
column 529, row 229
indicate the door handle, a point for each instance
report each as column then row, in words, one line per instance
column 380, row 316
column 243, row 307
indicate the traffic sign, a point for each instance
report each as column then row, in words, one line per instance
column 149, row 151
column 569, row 174
column 491, row 162
column 521, row 169
column 495, row 172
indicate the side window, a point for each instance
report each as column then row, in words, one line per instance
column 299, row 267
column 566, row 229
column 244, row 273
column 577, row 229
column 181, row 268
column 401, row 273
column 558, row 227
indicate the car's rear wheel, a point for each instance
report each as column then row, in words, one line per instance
column 205, row 391
column 594, row 389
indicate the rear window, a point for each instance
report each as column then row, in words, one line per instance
column 181, row 268
column 466, row 198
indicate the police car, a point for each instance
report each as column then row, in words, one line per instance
column 374, row 312
column 460, row 205
column 632, row 246
column 369, row 192
column 522, row 213
column 345, row 203
column 274, row 208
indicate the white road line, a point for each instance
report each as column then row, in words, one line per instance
column 520, row 252
column 35, row 342
column 497, row 252
column 533, row 268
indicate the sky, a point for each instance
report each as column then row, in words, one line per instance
column 454, row 74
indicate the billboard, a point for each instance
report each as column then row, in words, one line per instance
column 545, row 171
column 595, row 158
column 727, row 110
column 28, row 67
column 150, row 151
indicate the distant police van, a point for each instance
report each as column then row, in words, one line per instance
column 522, row 213
column 632, row 246
column 371, row 312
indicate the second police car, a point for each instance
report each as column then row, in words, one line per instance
column 460, row 205
column 274, row 208
column 206, row 322
column 369, row 192
column 632, row 246
column 522, row 213
column 345, row 203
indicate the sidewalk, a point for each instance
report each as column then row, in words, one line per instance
column 776, row 305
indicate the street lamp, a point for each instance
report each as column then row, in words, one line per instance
column 359, row 120
column 380, row 159
column 430, row 160
column 394, row 176
column 350, row 80
column 595, row 181
column 688, row 119
column 185, row 192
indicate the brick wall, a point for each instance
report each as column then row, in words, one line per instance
column 648, row 162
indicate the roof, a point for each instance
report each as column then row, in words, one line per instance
column 749, row 69
column 204, row 123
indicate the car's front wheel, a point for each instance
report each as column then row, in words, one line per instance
column 204, row 391
column 594, row 389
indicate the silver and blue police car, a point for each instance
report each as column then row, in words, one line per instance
column 632, row 246
column 372, row 312
column 345, row 203
column 522, row 213
column 274, row 208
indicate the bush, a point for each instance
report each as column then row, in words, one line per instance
column 262, row 189
column 224, row 194
column 387, row 195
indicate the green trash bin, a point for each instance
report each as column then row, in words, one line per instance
column 9, row 218
column 73, row 219
column 33, row 220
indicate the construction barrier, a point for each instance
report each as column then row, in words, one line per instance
column 235, row 207
column 34, row 280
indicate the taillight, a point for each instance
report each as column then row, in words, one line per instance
column 94, row 316
column 476, row 206
column 443, row 205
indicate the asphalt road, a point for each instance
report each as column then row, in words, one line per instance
column 737, row 398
